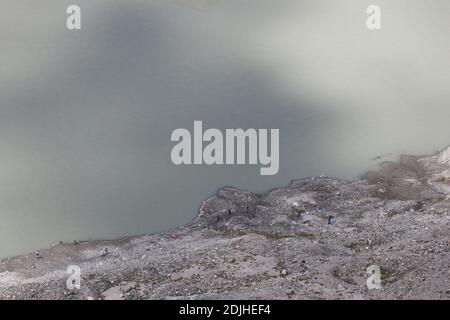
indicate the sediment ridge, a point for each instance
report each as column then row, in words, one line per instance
column 313, row 239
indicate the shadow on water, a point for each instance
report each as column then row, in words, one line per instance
column 86, row 142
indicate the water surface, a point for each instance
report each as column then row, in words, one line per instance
column 86, row 116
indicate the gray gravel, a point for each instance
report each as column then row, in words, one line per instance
column 314, row 239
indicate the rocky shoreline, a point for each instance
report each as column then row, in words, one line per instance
column 314, row 239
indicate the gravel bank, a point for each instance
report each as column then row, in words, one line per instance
column 314, row 239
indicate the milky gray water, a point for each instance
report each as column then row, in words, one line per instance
column 86, row 116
